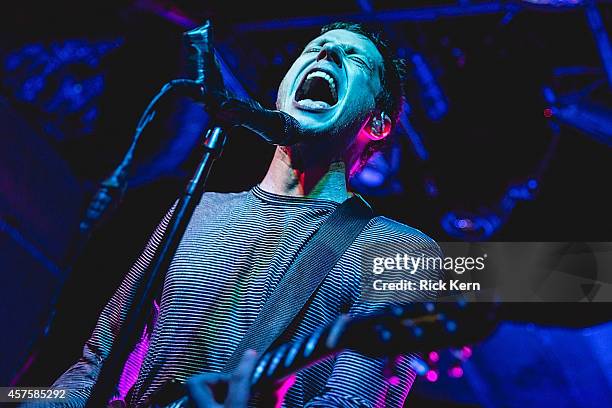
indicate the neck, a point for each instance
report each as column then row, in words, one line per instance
column 324, row 181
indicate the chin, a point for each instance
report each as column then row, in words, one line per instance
column 319, row 131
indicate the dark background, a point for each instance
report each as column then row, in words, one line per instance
column 75, row 77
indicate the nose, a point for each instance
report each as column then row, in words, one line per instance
column 331, row 52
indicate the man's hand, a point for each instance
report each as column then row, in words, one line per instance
column 218, row 390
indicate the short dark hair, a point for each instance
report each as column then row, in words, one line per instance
column 390, row 99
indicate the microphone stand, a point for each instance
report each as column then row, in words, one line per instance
column 134, row 321
column 209, row 81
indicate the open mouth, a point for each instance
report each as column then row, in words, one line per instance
column 318, row 91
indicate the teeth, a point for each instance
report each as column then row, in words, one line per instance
column 328, row 78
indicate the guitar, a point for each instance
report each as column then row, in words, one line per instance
column 397, row 330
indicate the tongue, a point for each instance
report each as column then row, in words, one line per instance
column 310, row 104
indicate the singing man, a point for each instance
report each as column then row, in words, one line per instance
column 345, row 89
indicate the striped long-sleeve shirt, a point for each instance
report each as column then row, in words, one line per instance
column 233, row 254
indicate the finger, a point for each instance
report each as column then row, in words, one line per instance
column 201, row 389
column 240, row 383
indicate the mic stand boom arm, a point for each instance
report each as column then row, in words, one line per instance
column 153, row 279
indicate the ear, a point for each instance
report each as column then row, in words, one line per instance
column 378, row 126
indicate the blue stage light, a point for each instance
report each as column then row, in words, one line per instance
column 50, row 77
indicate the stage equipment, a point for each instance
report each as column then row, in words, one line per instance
column 575, row 110
column 601, row 37
column 433, row 98
column 273, row 126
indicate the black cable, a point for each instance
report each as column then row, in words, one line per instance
column 112, row 189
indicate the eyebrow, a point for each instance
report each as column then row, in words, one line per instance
column 345, row 47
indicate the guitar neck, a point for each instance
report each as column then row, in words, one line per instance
column 398, row 330
column 414, row 328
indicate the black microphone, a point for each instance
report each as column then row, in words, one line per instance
column 273, row 126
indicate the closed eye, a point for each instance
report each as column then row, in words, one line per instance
column 360, row 61
column 312, row 49
column 350, row 52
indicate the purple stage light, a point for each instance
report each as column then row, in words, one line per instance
column 455, row 372
column 432, row 376
column 434, row 357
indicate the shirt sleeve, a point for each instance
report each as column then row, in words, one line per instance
column 80, row 378
column 358, row 381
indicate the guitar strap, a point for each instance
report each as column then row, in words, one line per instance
column 300, row 282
